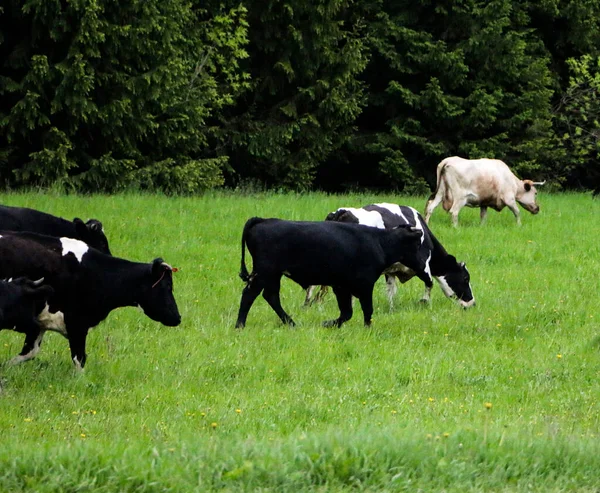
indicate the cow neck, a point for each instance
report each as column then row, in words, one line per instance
column 438, row 255
column 123, row 282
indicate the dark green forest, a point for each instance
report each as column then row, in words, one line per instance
column 183, row 96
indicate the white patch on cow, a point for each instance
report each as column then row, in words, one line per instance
column 366, row 218
column 52, row 321
column 396, row 210
column 419, row 226
column 427, row 267
column 393, row 208
column 20, row 358
column 76, row 247
column 448, row 291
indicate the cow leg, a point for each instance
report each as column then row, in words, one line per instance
column 366, row 303
column 432, row 203
column 249, row 294
column 318, row 298
column 271, row 294
column 33, row 340
column 515, row 210
column 344, row 299
column 392, row 288
column 482, row 214
column 77, row 338
column 454, row 210
column 309, row 299
column 321, row 294
column 426, row 298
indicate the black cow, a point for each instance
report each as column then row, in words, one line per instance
column 21, row 302
column 348, row 257
column 452, row 276
column 87, row 285
column 25, row 219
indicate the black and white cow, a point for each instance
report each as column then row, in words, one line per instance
column 87, row 285
column 348, row 257
column 21, row 302
column 452, row 276
column 25, row 219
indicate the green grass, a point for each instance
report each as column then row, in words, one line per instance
column 399, row 406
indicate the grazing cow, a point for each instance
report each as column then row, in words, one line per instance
column 348, row 257
column 87, row 285
column 24, row 219
column 480, row 183
column 21, row 302
column 452, row 276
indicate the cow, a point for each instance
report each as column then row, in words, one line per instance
column 452, row 276
column 21, row 302
column 480, row 183
column 88, row 285
column 25, row 219
column 348, row 257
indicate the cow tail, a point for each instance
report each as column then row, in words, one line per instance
column 244, row 275
column 441, row 168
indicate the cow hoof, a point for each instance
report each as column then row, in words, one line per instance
column 331, row 323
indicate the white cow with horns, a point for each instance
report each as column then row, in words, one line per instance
column 480, row 183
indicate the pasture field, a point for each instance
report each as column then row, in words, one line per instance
column 501, row 397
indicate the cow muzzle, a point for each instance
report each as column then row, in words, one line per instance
column 467, row 304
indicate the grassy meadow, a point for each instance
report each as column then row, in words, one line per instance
column 501, row 397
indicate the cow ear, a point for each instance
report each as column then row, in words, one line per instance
column 80, row 227
column 451, row 260
column 94, row 225
column 527, row 186
column 157, row 267
column 41, row 292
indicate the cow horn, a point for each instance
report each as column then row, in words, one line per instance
column 539, row 183
column 164, row 264
column 38, row 282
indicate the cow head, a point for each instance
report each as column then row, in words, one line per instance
column 456, row 282
column 22, row 300
column 92, row 233
column 157, row 300
column 526, row 195
column 342, row 216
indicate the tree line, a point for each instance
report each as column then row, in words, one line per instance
column 183, row 96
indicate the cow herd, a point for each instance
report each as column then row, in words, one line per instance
column 59, row 275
